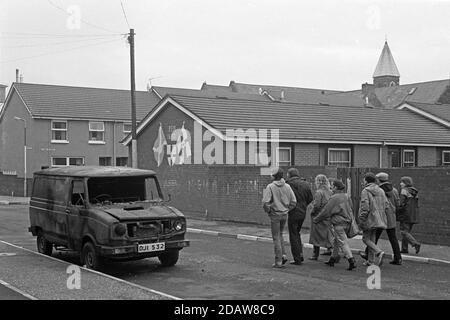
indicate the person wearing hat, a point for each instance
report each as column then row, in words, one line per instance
column 278, row 199
column 372, row 216
column 394, row 202
column 339, row 210
column 408, row 213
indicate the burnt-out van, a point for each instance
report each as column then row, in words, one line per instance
column 105, row 214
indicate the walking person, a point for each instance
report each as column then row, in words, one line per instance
column 320, row 233
column 394, row 203
column 297, row 215
column 339, row 210
column 372, row 216
column 408, row 213
column 278, row 199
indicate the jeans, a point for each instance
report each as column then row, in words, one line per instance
column 277, row 224
column 369, row 238
column 407, row 238
column 341, row 242
column 393, row 241
column 295, row 222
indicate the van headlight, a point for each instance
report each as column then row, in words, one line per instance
column 120, row 229
column 178, row 225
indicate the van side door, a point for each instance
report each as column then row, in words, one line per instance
column 77, row 213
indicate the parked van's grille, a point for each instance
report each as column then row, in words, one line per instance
column 149, row 229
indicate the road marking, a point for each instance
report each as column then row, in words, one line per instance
column 96, row 272
column 246, row 237
column 7, row 254
column 26, row 295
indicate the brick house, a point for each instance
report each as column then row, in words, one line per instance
column 66, row 126
column 309, row 135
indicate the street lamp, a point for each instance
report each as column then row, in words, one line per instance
column 24, row 155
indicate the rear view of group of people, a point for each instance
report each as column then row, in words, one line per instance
column 333, row 221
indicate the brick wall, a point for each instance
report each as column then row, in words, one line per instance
column 306, row 154
column 426, row 156
column 366, row 156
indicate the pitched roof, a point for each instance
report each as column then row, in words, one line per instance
column 163, row 91
column 52, row 101
column 254, row 89
column 324, row 123
column 386, row 64
column 441, row 111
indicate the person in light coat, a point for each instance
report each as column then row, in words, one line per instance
column 278, row 199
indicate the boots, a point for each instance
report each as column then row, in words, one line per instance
column 351, row 264
column 331, row 262
column 316, row 252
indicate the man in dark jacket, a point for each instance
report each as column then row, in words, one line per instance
column 303, row 195
column 394, row 202
column 408, row 213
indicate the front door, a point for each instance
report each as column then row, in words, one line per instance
column 395, row 160
column 76, row 210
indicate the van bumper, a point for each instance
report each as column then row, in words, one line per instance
column 131, row 252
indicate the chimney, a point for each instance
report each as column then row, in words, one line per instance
column 282, row 95
column 21, row 78
column 367, row 88
column 2, row 93
column 17, row 76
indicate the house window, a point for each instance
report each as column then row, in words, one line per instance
column 104, row 161
column 67, row 161
column 126, row 128
column 409, row 158
column 59, row 131
column 96, row 132
column 122, row 161
column 339, row 157
column 283, row 156
column 446, row 158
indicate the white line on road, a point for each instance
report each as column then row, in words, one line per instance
column 97, row 272
column 26, row 295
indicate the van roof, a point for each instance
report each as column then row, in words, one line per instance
column 95, row 171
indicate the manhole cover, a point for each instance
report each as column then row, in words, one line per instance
column 7, row 254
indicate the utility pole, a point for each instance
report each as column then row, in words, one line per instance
column 133, row 102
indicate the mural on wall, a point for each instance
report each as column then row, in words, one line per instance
column 178, row 153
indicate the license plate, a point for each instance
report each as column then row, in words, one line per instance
column 151, row 247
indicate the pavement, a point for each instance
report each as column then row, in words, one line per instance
column 8, row 200
column 432, row 254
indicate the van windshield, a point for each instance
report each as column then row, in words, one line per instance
column 123, row 189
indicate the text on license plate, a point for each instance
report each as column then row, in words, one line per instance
column 150, row 247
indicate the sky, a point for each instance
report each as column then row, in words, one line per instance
column 179, row 43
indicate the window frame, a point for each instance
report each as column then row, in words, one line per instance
column 444, row 163
column 97, row 130
column 126, row 132
column 277, row 156
column 106, row 158
column 336, row 163
column 404, row 151
column 67, row 161
column 52, row 129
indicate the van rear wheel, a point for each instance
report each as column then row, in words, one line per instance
column 169, row 258
column 90, row 258
column 44, row 246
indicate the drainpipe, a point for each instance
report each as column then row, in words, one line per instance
column 381, row 153
column 113, row 161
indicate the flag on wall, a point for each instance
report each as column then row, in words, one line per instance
column 158, row 146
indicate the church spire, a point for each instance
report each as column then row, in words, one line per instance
column 386, row 73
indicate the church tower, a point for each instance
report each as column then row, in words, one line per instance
column 386, row 73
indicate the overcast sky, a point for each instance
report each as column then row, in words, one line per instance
column 316, row 44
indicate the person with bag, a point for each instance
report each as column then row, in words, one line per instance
column 320, row 233
column 394, row 203
column 278, row 199
column 372, row 216
column 296, row 216
column 339, row 210
column 408, row 213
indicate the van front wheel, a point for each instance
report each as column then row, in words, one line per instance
column 169, row 258
column 43, row 245
column 90, row 258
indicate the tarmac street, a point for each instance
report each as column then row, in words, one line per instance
column 215, row 267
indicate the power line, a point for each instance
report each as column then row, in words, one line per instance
column 56, row 52
column 50, row 35
column 125, row 15
column 82, row 20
